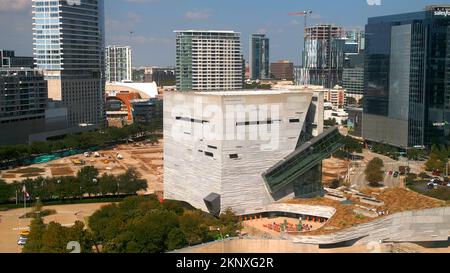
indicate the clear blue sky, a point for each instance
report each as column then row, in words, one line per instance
column 153, row 22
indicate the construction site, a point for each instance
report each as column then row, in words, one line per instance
column 145, row 157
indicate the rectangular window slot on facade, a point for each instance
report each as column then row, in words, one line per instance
column 248, row 123
column 234, row 156
column 192, row 120
column 209, row 154
column 212, row 147
column 294, row 120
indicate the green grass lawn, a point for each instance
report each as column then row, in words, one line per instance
column 441, row 193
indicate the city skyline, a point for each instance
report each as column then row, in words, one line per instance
column 145, row 26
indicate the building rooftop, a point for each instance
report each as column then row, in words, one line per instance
column 246, row 92
column 206, row 31
column 146, row 90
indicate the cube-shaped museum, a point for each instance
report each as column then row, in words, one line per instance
column 244, row 149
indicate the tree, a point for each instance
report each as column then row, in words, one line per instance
column 175, row 239
column 374, row 173
column 6, row 191
column 107, row 223
column 130, row 183
column 153, row 139
column 229, row 223
column 352, row 145
column 351, row 101
column 330, row 122
column 108, row 184
column 142, row 224
column 88, row 180
column 192, row 223
column 438, row 158
column 35, row 239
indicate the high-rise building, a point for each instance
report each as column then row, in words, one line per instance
column 353, row 82
column 68, row 43
column 407, row 78
column 282, row 70
column 259, row 57
column 208, row 60
column 118, row 63
column 357, row 37
column 323, row 55
column 23, row 101
column 163, row 76
column 8, row 58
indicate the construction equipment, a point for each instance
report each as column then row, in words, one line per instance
column 305, row 14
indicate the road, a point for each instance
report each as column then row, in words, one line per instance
column 358, row 178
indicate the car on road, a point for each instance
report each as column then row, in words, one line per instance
column 391, row 173
column 22, row 241
column 396, row 174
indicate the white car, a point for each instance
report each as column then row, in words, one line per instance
column 22, row 241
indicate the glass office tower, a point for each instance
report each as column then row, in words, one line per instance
column 259, row 57
column 407, row 78
column 69, row 46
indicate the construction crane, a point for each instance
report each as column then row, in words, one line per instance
column 305, row 14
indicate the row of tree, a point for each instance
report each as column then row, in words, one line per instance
column 87, row 182
column 351, row 145
column 140, row 224
column 438, row 159
column 99, row 138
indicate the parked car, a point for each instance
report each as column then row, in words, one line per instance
column 22, row 241
column 436, row 173
column 24, row 233
column 396, row 174
column 391, row 173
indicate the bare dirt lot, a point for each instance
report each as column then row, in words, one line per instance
column 146, row 158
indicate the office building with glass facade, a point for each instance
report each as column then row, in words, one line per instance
column 407, row 78
column 353, row 82
column 259, row 57
column 68, row 44
column 8, row 59
column 208, row 60
column 23, row 101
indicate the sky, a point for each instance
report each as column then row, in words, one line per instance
column 147, row 25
